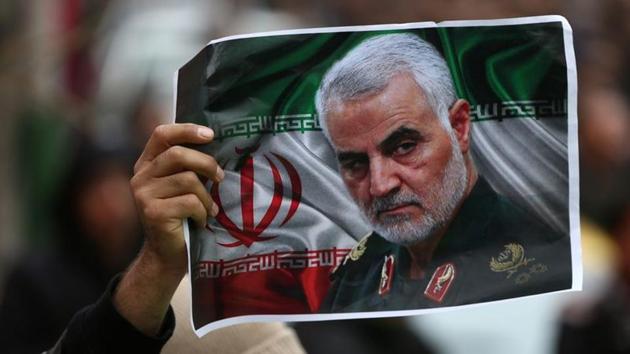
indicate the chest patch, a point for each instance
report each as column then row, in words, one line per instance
column 510, row 260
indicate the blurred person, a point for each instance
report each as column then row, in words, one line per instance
column 604, row 155
column 145, row 115
column 600, row 323
column 96, row 235
column 134, row 312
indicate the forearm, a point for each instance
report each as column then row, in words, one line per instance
column 145, row 291
column 100, row 328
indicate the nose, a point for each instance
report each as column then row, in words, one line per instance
column 383, row 177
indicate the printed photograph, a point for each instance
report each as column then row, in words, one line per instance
column 384, row 170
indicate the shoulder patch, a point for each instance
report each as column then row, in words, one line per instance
column 355, row 253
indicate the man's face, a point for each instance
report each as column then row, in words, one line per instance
column 404, row 170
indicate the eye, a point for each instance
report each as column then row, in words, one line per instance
column 354, row 169
column 404, row 148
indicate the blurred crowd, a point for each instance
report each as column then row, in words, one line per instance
column 84, row 82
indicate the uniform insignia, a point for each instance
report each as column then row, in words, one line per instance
column 510, row 259
column 522, row 278
column 355, row 253
column 538, row 268
column 440, row 282
column 387, row 275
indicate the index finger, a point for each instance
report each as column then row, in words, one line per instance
column 167, row 135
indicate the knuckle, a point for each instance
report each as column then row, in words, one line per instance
column 185, row 179
column 189, row 178
column 175, row 152
column 136, row 166
column 151, row 212
column 138, row 195
column 140, row 167
column 191, row 201
column 196, row 207
column 135, row 183
column 141, row 198
column 160, row 132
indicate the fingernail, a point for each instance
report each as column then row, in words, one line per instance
column 205, row 132
column 220, row 174
column 215, row 210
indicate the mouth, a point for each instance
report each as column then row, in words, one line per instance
column 398, row 209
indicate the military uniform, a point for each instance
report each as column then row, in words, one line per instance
column 492, row 250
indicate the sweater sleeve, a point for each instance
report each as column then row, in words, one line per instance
column 99, row 328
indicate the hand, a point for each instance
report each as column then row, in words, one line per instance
column 166, row 189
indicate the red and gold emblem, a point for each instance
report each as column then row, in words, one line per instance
column 440, row 282
column 387, row 275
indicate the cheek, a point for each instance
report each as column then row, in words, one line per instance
column 418, row 180
column 359, row 190
column 426, row 170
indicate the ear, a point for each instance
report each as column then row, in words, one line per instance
column 459, row 116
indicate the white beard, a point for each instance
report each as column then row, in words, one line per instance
column 446, row 194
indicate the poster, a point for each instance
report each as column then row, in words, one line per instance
column 384, row 170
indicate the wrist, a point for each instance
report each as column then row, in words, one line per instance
column 145, row 291
column 157, row 265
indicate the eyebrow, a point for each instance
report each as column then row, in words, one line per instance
column 343, row 156
column 386, row 145
column 396, row 136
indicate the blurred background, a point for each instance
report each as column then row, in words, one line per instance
column 83, row 83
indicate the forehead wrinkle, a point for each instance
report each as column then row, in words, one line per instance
column 392, row 113
column 403, row 101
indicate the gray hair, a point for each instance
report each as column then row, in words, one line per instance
column 367, row 69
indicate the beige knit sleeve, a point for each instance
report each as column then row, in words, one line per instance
column 249, row 338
